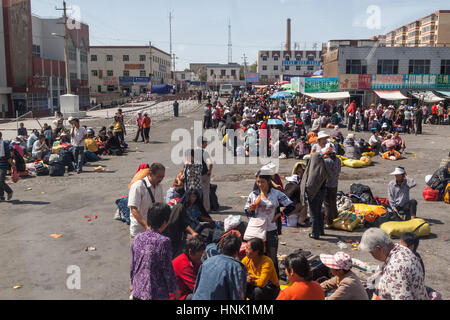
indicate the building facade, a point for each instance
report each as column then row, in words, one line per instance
column 217, row 74
column 35, row 67
column 430, row 31
column 360, row 69
column 49, row 60
column 5, row 91
column 274, row 65
column 127, row 70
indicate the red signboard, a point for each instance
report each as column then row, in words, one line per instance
column 364, row 81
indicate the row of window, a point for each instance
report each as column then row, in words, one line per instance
column 110, row 73
column 287, row 58
column 287, row 68
column 126, row 73
column 223, row 72
column 391, row 67
column 126, row 58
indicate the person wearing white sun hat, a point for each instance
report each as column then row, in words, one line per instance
column 322, row 139
column 398, row 192
column 345, row 283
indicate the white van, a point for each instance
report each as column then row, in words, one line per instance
column 225, row 90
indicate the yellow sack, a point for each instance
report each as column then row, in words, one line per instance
column 354, row 163
column 57, row 149
column 369, row 212
column 369, row 154
column 347, row 221
column 396, row 228
column 366, row 160
column 447, row 194
column 342, row 160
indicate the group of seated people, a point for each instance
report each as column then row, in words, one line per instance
column 194, row 274
column 39, row 145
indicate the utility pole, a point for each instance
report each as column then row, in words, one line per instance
column 171, row 53
column 151, row 64
column 66, row 48
column 230, row 45
column 245, row 68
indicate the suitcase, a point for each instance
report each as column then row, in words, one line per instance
column 431, row 195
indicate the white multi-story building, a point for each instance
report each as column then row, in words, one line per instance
column 48, row 59
column 217, row 74
column 126, row 69
column 5, row 91
column 282, row 65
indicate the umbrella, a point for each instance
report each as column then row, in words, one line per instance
column 318, row 73
column 275, row 122
column 293, row 92
column 242, row 87
column 283, row 82
column 281, row 95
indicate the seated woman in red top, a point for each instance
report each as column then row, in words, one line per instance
column 303, row 287
column 186, row 267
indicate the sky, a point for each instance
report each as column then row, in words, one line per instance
column 200, row 27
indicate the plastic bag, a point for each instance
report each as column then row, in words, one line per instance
column 231, row 222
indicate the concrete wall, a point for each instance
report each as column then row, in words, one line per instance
column 443, row 35
column 3, row 83
column 20, row 44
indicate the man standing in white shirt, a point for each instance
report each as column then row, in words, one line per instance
column 142, row 196
column 77, row 135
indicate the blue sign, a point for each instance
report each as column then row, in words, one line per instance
column 141, row 79
column 126, row 79
column 252, row 77
column 162, row 68
column 132, row 80
column 300, row 62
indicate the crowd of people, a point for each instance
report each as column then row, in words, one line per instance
column 61, row 147
column 195, row 258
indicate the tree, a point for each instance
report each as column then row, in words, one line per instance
column 254, row 67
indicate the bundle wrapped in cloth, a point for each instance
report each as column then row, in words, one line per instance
column 347, row 221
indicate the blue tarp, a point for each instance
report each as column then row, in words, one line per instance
column 161, row 89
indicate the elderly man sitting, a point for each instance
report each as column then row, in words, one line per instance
column 352, row 148
column 398, row 193
column 402, row 276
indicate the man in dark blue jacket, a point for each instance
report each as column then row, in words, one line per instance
column 5, row 164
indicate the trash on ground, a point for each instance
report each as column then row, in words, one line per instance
column 342, row 245
column 91, row 249
column 17, row 287
column 56, row 236
column 283, row 243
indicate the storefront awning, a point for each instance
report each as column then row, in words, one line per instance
column 426, row 96
column 329, row 95
column 390, row 94
column 445, row 93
